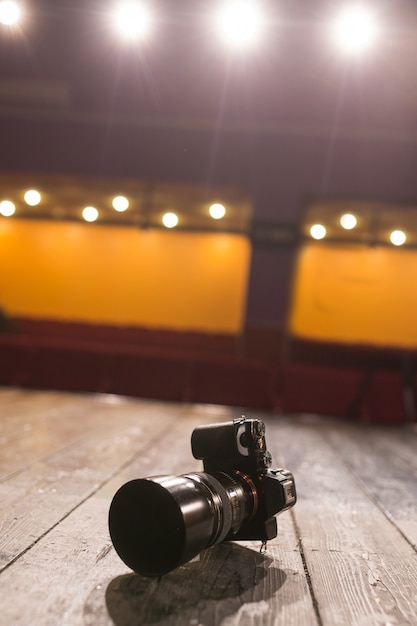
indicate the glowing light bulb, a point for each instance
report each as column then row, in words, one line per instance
column 355, row 29
column 32, row 197
column 7, row 208
column 90, row 214
column 217, row 211
column 348, row 221
column 398, row 237
column 9, row 13
column 240, row 22
column 318, row 231
column 120, row 204
column 170, row 220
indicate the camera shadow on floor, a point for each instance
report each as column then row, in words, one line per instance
column 226, row 581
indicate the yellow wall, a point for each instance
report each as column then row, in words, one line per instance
column 356, row 294
column 101, row 274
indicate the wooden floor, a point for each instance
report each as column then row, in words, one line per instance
column 346, row 554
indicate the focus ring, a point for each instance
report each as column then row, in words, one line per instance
column 223, row 509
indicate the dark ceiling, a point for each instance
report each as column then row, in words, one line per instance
column 295, row 75
column 293, row 117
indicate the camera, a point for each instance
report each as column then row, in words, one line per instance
column 159, row 523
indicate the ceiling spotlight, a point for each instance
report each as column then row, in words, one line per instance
column 355, row 29
column 318, row 231
column 7, row 208
column 240, row 22
column 132, row 20
column 90, row 214
column 348, row 221
column 398, row 237
column 120, row 204
column 170, row 220
column 217, row 211
column 9, row 13
column 32, row 197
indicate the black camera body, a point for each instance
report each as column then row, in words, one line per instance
column 238, row 449
column 159, row 523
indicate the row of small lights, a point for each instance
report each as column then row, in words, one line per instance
column 348, row 221
column 120, row 204
column 240, row 23
column 217, row 211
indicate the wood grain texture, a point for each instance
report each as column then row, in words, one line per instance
column 386, row 469
column 341, row 556
column 362, row 569
column 38, row 498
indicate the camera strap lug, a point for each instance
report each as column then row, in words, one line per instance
column 263, row 547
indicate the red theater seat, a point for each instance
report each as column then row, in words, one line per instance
column 235, row 382
column 317, row 389
column 17, row 355
column 383, row 401
column 71, row 369
column 151, row 375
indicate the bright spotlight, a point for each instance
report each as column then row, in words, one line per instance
column 170, row 220
column 132, row 20
column 9, row 13
column 240, row 22
column 398, row 237
column 217, row 211
column 7, row 208
column 355, row 29
column 32, row 197
column 318, row 231
column 348, row 221
column 120, row 204
column 90, row 214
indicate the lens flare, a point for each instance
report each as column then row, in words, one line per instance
column 355, row 30
column 132, row 20
column 10, row 13
column 240, row 23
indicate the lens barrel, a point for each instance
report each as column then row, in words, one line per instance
column 159, row 523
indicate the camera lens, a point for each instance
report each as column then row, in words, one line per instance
column 159, row 523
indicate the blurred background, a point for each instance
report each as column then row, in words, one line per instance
column 211, row 201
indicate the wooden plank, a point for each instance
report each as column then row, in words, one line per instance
column 9, row 396
column 35, row 500
column 73, row 576
column 361, row 569
column 38, row 424
column 17, row 406
column 384, row 463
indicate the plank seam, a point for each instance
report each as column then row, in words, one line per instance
column 376, row 502
column 306, row 570
column 47, row 457
column 367, row 492
column 122, row 467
